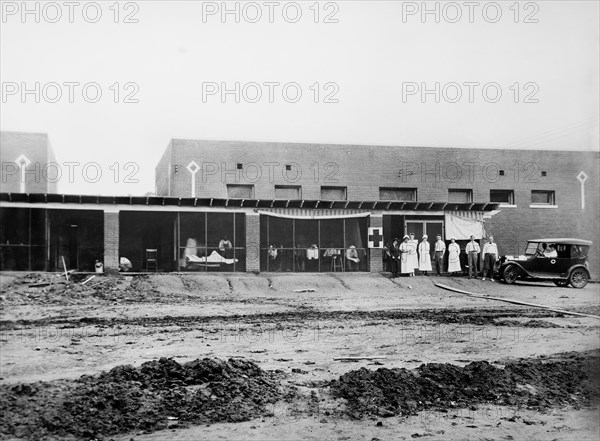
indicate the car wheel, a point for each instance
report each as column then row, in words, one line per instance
column 510, row 274
column 561, row 283
column 578, row 278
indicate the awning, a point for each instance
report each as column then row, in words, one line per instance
column 461, row 225
column 311, row 214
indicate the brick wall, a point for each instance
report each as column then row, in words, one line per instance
column 252, row 242
column 162, row 174
column 375, row 259
column 111, row 241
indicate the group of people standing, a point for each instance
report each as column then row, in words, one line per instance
column 410, row 255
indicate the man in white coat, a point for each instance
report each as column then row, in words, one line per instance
column 424, row 256
column 440, row 250
column 489, row 256
column 472, row 251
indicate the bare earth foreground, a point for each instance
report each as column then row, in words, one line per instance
column 445, row 366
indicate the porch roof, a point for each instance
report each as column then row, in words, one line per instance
column 158, row 201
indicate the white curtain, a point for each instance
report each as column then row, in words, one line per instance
column 464, row 224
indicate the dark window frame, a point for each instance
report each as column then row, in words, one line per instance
column 412, row 190
column 511, row 196
column 468, row 191
column 334, row 187
column 232, row 186
column 287, row 187
column 551, row 197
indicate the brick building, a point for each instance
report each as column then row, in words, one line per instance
column 28, row 163
column 539, row 193
column 245, row 206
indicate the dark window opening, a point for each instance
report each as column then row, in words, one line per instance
column 460, row 195
column 240, row 191
column 41, row 239
column 542, row 197
column 333, row 193
column 288, row 192
column 398, row 194
column 502, row 196
column 303, row 245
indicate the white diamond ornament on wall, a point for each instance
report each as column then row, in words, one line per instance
column 582, row 177
column 193, row 168
column 23, row 162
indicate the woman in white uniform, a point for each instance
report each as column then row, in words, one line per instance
column 453, row 257
column 407, row 264
column 412, row 254
column 424, row 256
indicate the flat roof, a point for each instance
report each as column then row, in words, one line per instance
column 158, row 201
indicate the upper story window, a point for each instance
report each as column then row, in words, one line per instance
column 460, row 195
column 506, row 197
column 288, row 192
column 333, row 193
column 397, row 194
column 542, row 197
column 240, row 191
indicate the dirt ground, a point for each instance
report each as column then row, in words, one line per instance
column 55, row 332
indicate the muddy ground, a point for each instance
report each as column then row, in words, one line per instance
column 54, row 332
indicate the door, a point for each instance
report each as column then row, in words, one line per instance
column 415, row 227
column 430, row 228
column 433, row 228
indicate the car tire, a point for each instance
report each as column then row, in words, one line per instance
column 579, row 278
column 561, row 283
column 510, row 274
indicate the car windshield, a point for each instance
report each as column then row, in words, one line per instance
column 532, row 248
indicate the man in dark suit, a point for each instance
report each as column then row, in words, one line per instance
column 395, row 257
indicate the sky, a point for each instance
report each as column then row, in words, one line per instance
column 502, row 74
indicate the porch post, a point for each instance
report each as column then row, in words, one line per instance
column 252, row 242
column 111, row 240
column 375, row 254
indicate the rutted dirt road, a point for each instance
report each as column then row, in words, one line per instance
column 60, row 331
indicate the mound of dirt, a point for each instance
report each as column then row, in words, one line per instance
column 570, row 378
column 154, row 396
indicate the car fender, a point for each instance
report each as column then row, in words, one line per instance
column 512, row 262
column 574, row 267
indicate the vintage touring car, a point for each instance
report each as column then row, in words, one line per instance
column 562, row 261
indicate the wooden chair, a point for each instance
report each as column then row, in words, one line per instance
column 151, row 259
column 336, row 263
